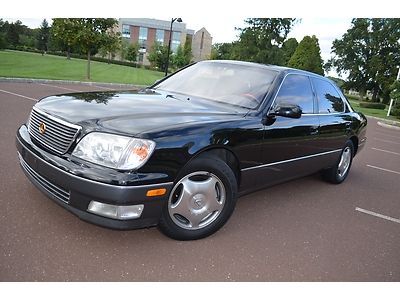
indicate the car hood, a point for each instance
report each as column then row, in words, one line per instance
column 135, row 112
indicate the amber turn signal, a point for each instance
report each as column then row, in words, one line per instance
column 157, row 192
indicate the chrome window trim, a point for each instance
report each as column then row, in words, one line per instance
column 315, row 96
column 324, row 114
column 291, row 160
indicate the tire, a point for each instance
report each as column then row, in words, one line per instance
column 338, row 173
column 201, row 201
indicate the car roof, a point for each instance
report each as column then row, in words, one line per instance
column 279, row 69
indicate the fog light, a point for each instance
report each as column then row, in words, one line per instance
column 125, row 212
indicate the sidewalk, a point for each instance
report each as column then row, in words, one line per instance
column 31, row 80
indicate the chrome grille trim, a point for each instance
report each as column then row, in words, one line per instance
column 59, row 134
column 50, row 187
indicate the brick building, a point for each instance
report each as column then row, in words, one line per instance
column 146, row 32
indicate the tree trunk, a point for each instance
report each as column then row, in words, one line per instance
column 68, row 53
column 375, row 95
column 361, row 94
column 88, row 65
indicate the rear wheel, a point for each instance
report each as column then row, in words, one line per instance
column 338, row 173
column 201, row 201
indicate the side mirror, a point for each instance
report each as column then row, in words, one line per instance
column 286, row 110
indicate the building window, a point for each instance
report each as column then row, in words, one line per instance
column 143, row 37
column 126, row 31
column 176, row 41
column 160, row 36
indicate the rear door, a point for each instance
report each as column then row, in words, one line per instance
column 335, row 122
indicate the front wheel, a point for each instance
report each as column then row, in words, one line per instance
column 338, row 173
column 201, row 201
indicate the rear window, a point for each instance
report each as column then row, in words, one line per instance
column 329, row 100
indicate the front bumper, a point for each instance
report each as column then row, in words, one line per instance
column 74, row 192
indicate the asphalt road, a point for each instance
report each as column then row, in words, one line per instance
column 303, row 230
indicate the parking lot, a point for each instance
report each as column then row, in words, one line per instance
column 303, row 230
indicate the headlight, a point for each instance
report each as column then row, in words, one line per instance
column 114, row 151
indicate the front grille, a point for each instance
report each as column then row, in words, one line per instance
column 58, row 134
column 51, row 188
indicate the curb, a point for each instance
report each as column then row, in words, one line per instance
column 382, row 124
column 387, row 123
column 32, row 80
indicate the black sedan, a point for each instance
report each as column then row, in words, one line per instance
column 179, row 153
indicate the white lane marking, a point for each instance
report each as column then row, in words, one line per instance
column 391, row 152
column 386, row 141
column 368, row 212
column 383, row 169
column 18, row 95
column 60, row 87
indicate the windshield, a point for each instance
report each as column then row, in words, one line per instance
column 228, row 83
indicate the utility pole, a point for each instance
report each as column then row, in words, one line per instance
column 391, row 100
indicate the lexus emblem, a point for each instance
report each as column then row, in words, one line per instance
column 42, row 128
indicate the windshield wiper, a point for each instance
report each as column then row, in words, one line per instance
column 173, row 96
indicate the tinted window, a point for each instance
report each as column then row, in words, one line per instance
column 296, row 89
column 329, row 100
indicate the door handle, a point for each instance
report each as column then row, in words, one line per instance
column 314, row 130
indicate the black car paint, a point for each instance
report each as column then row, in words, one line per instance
column 184, row 128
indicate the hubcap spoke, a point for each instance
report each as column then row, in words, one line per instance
column 196, row 218
column 344, row 163
column 201, row 199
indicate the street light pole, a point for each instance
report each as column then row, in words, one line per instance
column 391, row 100
column 169, row 43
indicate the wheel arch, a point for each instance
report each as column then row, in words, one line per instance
column 354, row 140
column 226, row 155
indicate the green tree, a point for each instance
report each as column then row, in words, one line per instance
column 289, row 47
column 132, row 52
column 125, row 43
column 43, row 36
column 158, row 56
column 3, row 34
column 221, row 51
column 3, row 42
column 183, row 55
column 262, row 39
column 307, row 56
column 369, row 52
column 64, row 34
column 89, row 34
column 13, row 34
column 111, row 44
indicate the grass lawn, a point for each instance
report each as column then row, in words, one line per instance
column 33, row 65
column 379, row 113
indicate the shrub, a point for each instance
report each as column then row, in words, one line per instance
column 395, row 111
column 353, row 97
column 80, row 56
column 375, row 105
